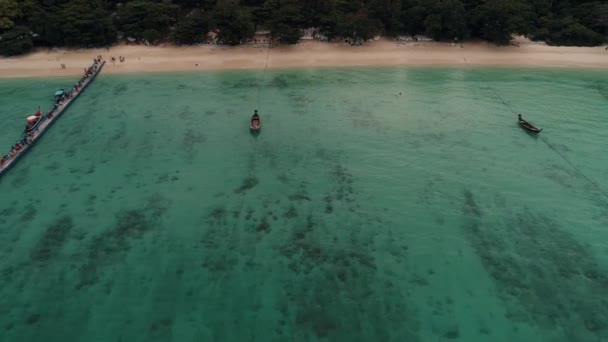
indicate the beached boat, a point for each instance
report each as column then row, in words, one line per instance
column 29, row 138
column 528, row 126
column 255, row 124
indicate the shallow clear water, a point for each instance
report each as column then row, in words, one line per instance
column 150, row 213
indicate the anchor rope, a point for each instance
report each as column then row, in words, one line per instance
column 554, row 149
column 258, row 103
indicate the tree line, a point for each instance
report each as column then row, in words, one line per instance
column 25, row 24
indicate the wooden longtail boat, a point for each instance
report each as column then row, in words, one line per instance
column 528, row 126
column 33, row 122
column 256, row 124
column 46, row 121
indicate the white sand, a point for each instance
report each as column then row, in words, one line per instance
column 306, row 54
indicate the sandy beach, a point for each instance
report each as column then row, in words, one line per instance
column 307, row 54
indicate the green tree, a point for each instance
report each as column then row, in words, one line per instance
column 262, row 12
column 568, row 31
column 318, row 13
column 96, row 22
column 233, row 23
column 326, row 17
column 286, row 22
column 16, row 41
column 413, row 16
column 9, row 11
column 45, row 19
column 447, row 20
column 200, row 4
column 497, row 20
column 575, row 34
column 87, row 24
column 191, row 30
column 593, row 15
column 387, row 12
column 146, row 20
column 353, row 21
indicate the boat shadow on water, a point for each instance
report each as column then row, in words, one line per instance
column 529, row 133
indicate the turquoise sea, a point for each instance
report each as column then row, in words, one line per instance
column 377, row 204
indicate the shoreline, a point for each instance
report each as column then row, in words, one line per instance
column 309, row 54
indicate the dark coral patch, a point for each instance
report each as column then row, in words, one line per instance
column 52, row 241
column 248, row 184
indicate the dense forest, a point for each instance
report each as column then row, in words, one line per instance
column 25, row 24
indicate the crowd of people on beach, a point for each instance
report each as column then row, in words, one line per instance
column 29, row 134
